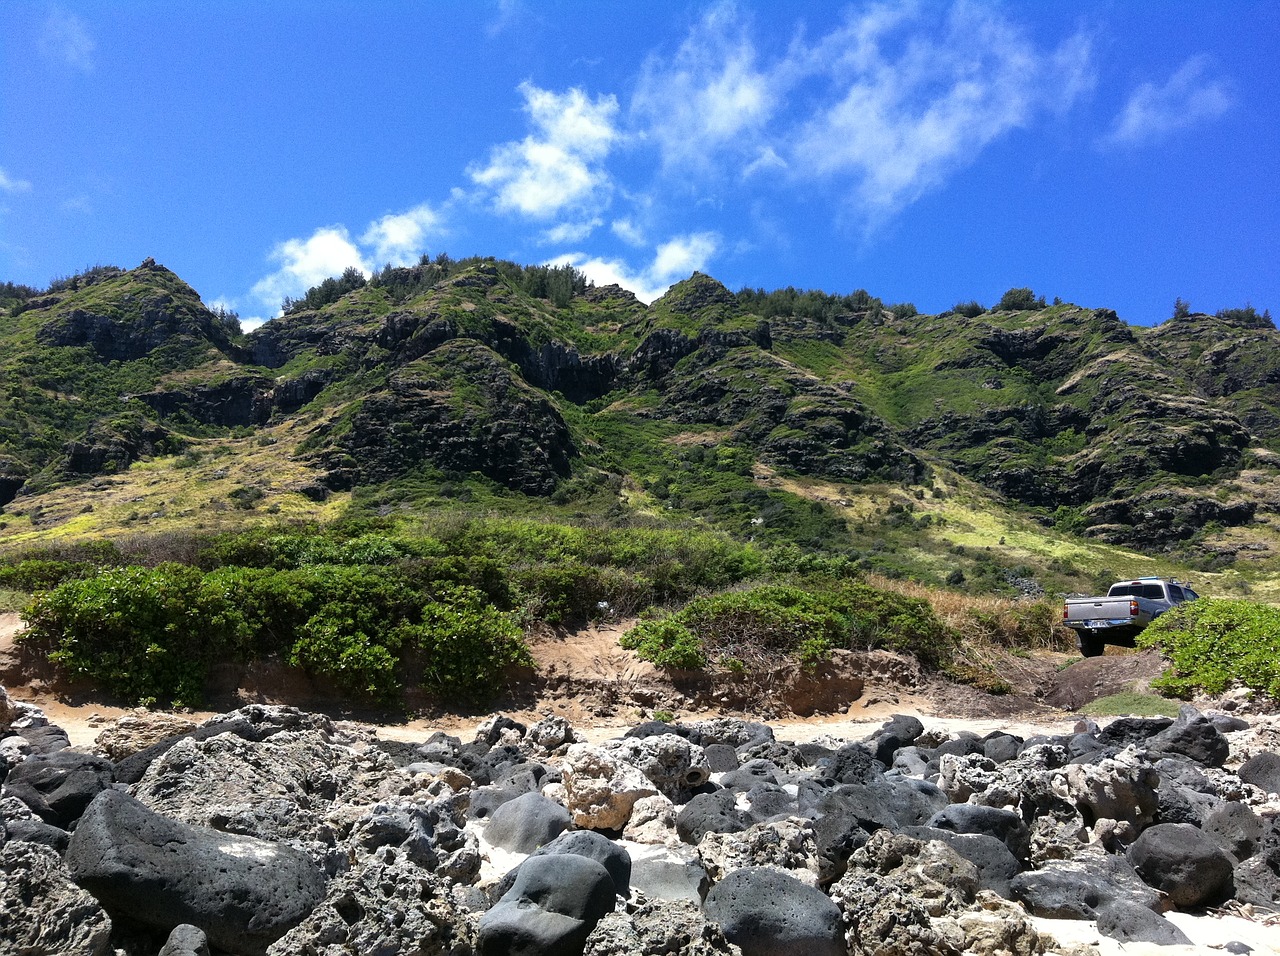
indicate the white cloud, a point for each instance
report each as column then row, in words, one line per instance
column 710, row 97
column 10, row 185
column 892, row 101
column 916, row 105
column 571, row 231
column 672, row 261
column 400, row 238
column 65, row 40
column 628, row 232
column 305, row 262
column 558, row 168
column 1155, row 112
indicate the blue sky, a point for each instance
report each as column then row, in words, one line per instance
column 1115, row 154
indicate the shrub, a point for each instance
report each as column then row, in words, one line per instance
column 147, row 634
column 346, row 641
column 666, row 643
column 771, row 623
column 1019, row 300
column 464, row 645
column 970, row 310
column 1216, row 644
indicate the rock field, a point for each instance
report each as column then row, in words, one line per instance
column 269, row 830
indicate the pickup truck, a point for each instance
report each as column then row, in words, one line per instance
column 1118, row 616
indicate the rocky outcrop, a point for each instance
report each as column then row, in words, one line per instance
column 42, row 910
column 238, row 402
column 270, row 830
column 461, row 409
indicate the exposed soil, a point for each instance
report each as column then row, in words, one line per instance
column 586, row 677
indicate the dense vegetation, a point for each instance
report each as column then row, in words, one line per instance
column 368, row 611
column 1215, row 645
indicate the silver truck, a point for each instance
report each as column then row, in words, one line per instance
column 1118, row 616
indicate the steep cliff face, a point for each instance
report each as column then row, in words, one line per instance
column 460, row 410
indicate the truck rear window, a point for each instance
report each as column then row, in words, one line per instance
column 1153, row 591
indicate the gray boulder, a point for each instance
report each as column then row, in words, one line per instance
column 1234, row 827
column 1257, row 879
column 1263, row 771
column 526, row 823
column 1005, row 825
column 710, row 813
column 58, row 786
column 1078, row 888
column 1194, row 736
column 186, row 940
column 1184, row 863
column 594, row 846
column 554, row 904
column 767, row 913
column 42, row 911
column 35, row 830
column 243, row 892
column 1129, row 922
column 996, row 866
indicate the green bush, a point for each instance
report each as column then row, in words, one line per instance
column 147, row 634
column 1216, row 644
column 41, row 574
column 346, row 642
column 464, row 645
column 666, row 643
column 771, row 623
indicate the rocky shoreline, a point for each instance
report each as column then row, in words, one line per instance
column 269, row 830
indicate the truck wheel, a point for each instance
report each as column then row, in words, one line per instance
column 1091, row 645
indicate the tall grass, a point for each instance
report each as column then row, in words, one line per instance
column 988, row 620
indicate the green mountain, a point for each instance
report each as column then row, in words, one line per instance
column 800, row 418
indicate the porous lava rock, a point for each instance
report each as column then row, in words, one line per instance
column 58, row 786
column 387, row 905
column 768, row 913
column 42, row 910
column 660, row 928
column 601, row 787
column 243, row 892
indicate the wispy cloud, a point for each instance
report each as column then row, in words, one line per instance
column 882, row 107
column 673, row 260
column 890, row 102
column 917, row 105
column 8, row 184
column 571, row 231
column 401, row 238
column 558, row 168
column 65, row 41
column 1155, row 112
column 710, row 97
column 305, row 262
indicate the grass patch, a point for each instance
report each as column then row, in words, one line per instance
column 1131, row 703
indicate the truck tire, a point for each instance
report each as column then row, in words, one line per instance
column 1091, row 645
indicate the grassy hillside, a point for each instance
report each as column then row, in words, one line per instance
column 1052, row 445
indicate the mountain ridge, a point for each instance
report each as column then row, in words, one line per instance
column 534, row 383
